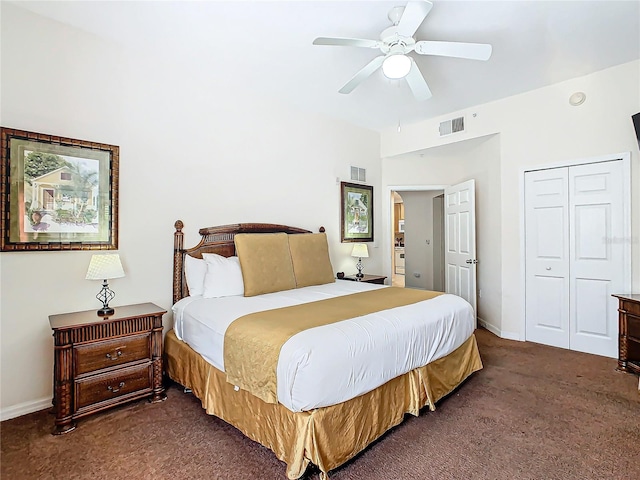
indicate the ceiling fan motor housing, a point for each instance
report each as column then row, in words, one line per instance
column 394, row 43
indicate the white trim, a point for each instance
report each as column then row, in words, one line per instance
column 625, row 157
column 522, row 333
column 510, row 336
column 579, row 161
column 415, row 188
column 24, row 408
column 496, row 331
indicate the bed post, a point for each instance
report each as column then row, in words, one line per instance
column 178, row 258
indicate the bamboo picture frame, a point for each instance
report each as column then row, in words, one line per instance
column 57, row 193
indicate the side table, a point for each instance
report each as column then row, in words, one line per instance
column 377, row 279
column 101, row 362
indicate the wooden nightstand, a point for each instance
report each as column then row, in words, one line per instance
column 377, row 279
column 629, row 333
column 103, row 362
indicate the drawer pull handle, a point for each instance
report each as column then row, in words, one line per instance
column 115, row 390
column 114, row 357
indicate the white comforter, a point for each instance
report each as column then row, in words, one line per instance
column 326, row 365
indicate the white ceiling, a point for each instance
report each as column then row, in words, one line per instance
column 267, row 46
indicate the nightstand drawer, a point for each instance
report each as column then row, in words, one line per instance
column 630, row 307
column 109, row 353
column 633, row 326
column 98, row 388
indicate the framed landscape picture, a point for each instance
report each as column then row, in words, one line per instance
column 57, row 193
column 356, row 212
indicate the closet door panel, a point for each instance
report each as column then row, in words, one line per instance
column 547, row 257
column 596, row 212
column 590, row 309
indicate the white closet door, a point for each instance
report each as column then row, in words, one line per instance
column 596, row 203
column 547, row 257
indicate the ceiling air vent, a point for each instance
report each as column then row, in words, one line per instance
column 452, row 126
column 359, row 174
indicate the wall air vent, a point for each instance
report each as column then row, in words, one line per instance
column 452, row 126
column 359, row 174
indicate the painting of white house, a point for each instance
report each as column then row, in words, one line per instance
column 357, row 212
column 61, row 193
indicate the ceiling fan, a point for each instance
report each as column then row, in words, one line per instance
column 397, row 41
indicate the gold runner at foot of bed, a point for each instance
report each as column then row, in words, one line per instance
column 252, row 343
column 329, row 436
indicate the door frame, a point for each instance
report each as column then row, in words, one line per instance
column 625, row 157
column 387, row 263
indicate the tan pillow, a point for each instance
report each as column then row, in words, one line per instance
column 310, row 257
column 265, row 261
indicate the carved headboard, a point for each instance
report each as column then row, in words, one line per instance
column 215, row 240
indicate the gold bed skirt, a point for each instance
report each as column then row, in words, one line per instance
column 328, row 436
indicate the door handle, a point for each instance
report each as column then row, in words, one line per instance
column 474, row 261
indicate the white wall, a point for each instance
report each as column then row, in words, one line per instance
column 538, row 128
column 197, row 149
column 451, row 164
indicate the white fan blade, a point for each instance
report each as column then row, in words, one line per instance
column 417, row 83
column 414, row 14
column 347, row 42
column 472, row 51
column 363, row 74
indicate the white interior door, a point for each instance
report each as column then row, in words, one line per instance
column 596, row 206
column 460, row 241
column 547, row 257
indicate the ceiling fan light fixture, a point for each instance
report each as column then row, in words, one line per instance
column 396, row 66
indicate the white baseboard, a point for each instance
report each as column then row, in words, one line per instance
column 496, row 331
column 24, row 408
column 511, row 336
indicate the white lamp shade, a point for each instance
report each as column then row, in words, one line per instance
column 396, row 66
column 360, row 250
column 105, row 266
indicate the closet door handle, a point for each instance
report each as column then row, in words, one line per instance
column 548, row 268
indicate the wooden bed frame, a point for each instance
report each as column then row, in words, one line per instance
column 322, row 436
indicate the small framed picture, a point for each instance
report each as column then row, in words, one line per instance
column 356, row 212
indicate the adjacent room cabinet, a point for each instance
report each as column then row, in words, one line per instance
column 398, row 214
column 576, row 222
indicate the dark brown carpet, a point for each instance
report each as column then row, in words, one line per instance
column 534, row 412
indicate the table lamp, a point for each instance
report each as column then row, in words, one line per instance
column 104, row 267
column 360, row 251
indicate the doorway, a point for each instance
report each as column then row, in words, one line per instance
column 417, row 232
column 397, row 231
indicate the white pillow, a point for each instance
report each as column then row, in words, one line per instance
column 195, row 270
column 223, row 278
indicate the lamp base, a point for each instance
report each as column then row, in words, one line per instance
column 105, row 311
column 359, row 275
